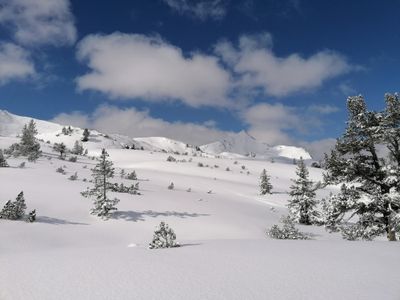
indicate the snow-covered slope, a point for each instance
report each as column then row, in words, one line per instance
column 69, row 254
column 11, row 125
column 244, row 144
column 233, row 146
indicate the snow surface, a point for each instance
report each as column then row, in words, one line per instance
column 221, row 224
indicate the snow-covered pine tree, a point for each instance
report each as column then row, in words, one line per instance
column 61, row 148
column 86, row 134
column 20, row 206
column 101, row 174
column 77, row 149
column 302, row 205
column 8, row 211
column 265, row 184
column 29, row 146
column 164, row 237
column 288, row 231
column 131, row 176
column 367, row 158
column 14, row 210
column 3, row 162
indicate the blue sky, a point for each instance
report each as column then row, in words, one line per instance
column 197, row 70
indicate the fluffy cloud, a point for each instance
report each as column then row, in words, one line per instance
column 268, row 123
column 135, row 123
column 271, row 122
column 318, row 148
column 136, row 66
column 206, row 9
column 15, row 63
column 39, row 22
column 258, row 67
column 133, row 66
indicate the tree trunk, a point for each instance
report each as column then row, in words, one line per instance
column 391, row 235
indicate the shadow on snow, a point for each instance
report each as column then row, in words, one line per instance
column 135, row 216
column 55, row 221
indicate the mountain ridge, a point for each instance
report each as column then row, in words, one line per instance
column 240, row 144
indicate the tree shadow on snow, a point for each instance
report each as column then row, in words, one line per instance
column 135, row 216
column 55, row 221
column 189, row 244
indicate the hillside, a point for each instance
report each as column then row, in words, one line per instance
column 221, row 225
column 238, row 145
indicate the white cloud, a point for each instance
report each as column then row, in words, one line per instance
column 206, row 9
column 15, row 63
column 267, row 123
column 258, row 67
column 39, row 22
column 317, row 149
column 127, row 66
column 135, row 123
column 270, row 122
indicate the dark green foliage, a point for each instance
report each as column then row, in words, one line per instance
column 302, row 205
column 86, row 134
column 131, row 176
column 164, row 237
column 61, row 148
column 366, row 158
column 14, row 210
column 3, row 162
column 121, row 188
column 77, row 149
column 28, row 146
column 101, row 174
column 287, row 232
column 265, row 184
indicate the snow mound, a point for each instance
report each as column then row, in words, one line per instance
column 164, row 145
column 244, row 144
column 11, row 125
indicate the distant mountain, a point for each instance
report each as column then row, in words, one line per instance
column 234, row 145
column 244, row 144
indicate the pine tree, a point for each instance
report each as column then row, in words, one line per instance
column 29, row 146
column 14, row 210
column 77, row 149
column 8, row 211
column 101, row 174
column 3, row 162
column 164, row 237
column 86, row 134
column 302, row 205
column 287, row 232
column 20, row 206
column 60, row 147
column 366, row 158
column 265, row 185
column 132, row 175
